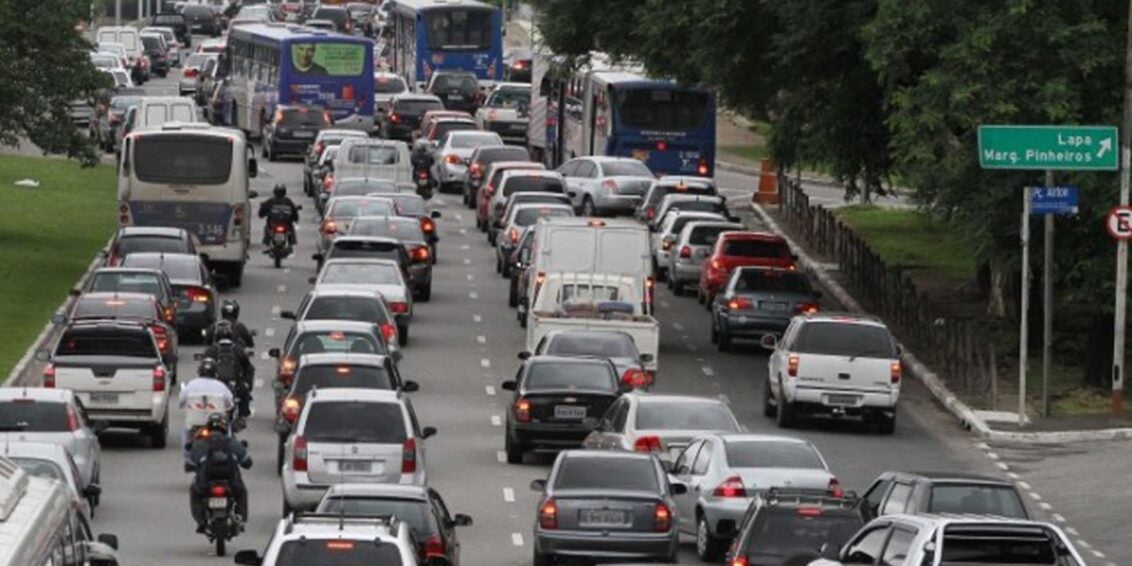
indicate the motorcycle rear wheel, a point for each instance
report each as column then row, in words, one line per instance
column 220, row 531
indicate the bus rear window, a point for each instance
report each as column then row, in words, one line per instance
column 459, row 29
column 662, row 109
column 183, row 159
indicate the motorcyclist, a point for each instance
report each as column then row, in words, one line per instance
column 217, row 457
column 200, row 398
column 230, row 313
column 279, row 208
column 233, row 366
column 421, row 157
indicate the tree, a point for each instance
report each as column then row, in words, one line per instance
column 43, row 68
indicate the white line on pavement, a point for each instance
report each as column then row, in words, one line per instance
column 269, row 332
column 983, row 446
column 275, row 310
column 1097, row 553
column 664, row 304
column 508, row 495
column 1058, row 517
column 489, row 389
column 477, row 318
column 286, row 270
column 1045, row 506
column 496, row 420
column 677, row 326
column 1012, row 475
column 1034, row 495
column 281, row 289
column 465, row 247
column 459, row 218
column 471, row 277
column 1024, row 485
column 473, row 295
column 463, row 230
column 1002, row 466
column 994, row 456
column 707, row 371
column 1072, row 531
column 265, row 356
column 481, row 339
column 1083, row 543
column 258, row 383
column 516, row 539
column 467, row 261
column 501, row 456
column 691, row 346
column 485, row 362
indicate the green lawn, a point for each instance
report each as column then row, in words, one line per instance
column 48, row 236
column 752, row 153
column 911, row 238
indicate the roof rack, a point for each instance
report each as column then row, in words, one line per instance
column 340, row 519
column 800, row 496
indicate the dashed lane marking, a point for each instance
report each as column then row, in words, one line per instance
column 664, row 304
column 707, row 371
column 269, row 332
column 485, row 362
column 286, row 270
column 678, row 326
column 1022, row 484
column 501, row 456
column 1058, row 517
column 508, row 495
column 281, row 289
column 258, row 383
column 517, row 539
column 467, row 261
column 471, row 277
column 473, row 295
column 489, row 389
column 465, row 247
column 264, row 356
column 496, row 420
column 275, row 310
column 477, row 318
column 459, row 218
column 463, row 231
column 481, row 339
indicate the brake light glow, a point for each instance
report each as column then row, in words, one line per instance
column 702, row 168
column 280, row 229
column 72, row 419
column 738, row 303
column 328, row 227
column 218, row 491
column 279, row 114
column 342, row 370
column 159, row 378
column 339, row 545
column 647, row 444
column 389, row 332
column 650, row 213
column 662, row 518
column 662, row 145
column 610, row 186
column 427, row 225
column 168, row 314
column 420, row 253
column 299, row 461
column 740, row 561
column 398, row 307
column 894, row 372
column 716, row 264
column 238, row 215
column 523, row 411
column 806, row 308
column 409, row 456
column 394, row 118
column 731, row 487
column 835, row 488
column 291, row 407
column 190, row 72
column 287, row 368
column 49, row 375
column 548, row 514
column 434, row 547
column 452, row 159
column 197, row 295
column 476, row 169
column 650, row 284
column 792, row 365
column 636, row 378
column 686, row 251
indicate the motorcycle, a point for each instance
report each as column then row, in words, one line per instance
column 280, row 242
column 222, row 523
column 424, row 185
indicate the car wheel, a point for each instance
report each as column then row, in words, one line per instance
column 677, row 286
column 425, row 294
column 498, row 263
column 272, row 156
column 708, row 547
column 714, row 332
column 541, row 559
column 505, row 271
column 235, row 275
column 491, row 237
column 886, row 424
column 514, row 450
column 287, row 509
column 699, row 296
column 588, row 208
column 769, row 410
column 263, row 150
column 724, row 343
column 403, row 335
column 785, row 413
column 159, row 433
column 279, row 455
column 513, row 293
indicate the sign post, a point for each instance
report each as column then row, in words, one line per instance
column 1048, row 201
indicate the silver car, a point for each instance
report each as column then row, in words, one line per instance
column 724, row 471
column 663, row 424
column 690, row 248
column 518, row 220
column 190, row 71
column 664, row 239
column 386, row 86
column 383, row 276
column 341, row 211
column 606, row 185
column 54, row 416
column 352, row 435
column 53, row 462
column 506, row 111
column 688, row 203
column 453, row 153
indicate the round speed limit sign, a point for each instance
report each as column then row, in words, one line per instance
column 1119, row 222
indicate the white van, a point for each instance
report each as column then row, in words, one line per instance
column 375, row 158
column 129, row 37
column 195, row 177
column 40, row 524
column 156, row 111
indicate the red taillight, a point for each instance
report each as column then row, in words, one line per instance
column 810, row 511
column 159, row 378
column 636, row 378
column 423, row 174
column 513, row 234
column 389, row 332
column 427, row 225
column 731, row 487
column 398, row 307
column 894, row 372
column 650, row 284
column 218, row 491
column 394, row 118
column 650, row 213
column 662, row 145
column 738, row 303
column 72, row 419
column 610, row 186
column 169, row 314
column 197, row 295
column 740, row 561
column 548, row 514
column 716, row 264
column 685, row 251
column 835, row 488
column 420, row 254
column 647, row 444
column 792, row 365
column 806, row 308
column 661, row 518
column 299, row 462
column 287, row 369
column 291, row 408
column 702, row 169
column 280, row 229
column 49, row 375
column 409, row 456
column 452, row 159
column 523, row 411
column 318, row 148
column 328, row 227
column 434, row 547
column 476, row 169
column 279, row 115
column 189, row 72
column 328, row 183
column 238, row 215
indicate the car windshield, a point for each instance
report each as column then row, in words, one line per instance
column 844, row 339
column 360, row 207
column 532, row 183
column 374, row 154
column 570, row 375
column 132, row 244
column 338, row 551
column 632, row 168
column 113, row 307
column 756, row 248
column 123, row 103
column 977, row 499
column 321, row 341
column 360, row 274
column 29, row 415
column 296, row 117
column 607, row 345
column 530, row 215
column 96, row 342
column 772, row 454
column 406, row 230
column 580, row 472
column 469, row 140
column 679, row 222
column 661, row 191
column 362, row 309
column 445, row 128
column 389, row 85
column 126, row 283
column 786, row 531
column 338, row 376
column 355, row 421
column 510, row 98
column 151, row 43
column 414, row 512
column 688, row 415
column 771, row 281
column 40, row 468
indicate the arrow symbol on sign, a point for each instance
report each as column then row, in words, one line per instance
column 1106, row 146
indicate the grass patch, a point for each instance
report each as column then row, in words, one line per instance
column 47, row 239
column 911, row 238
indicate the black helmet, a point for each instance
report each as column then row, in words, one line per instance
column 230, row 309
column 280, row 190
column 217, row 423
column 223, row 331
column 207, row 368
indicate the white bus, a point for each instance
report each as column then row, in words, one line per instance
column 195, row 177
column 41, row 524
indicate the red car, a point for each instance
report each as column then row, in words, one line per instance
column 740, row 249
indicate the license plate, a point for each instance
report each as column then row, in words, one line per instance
column 455, row 97
column 104, row 398
column 356, row 466
column 217, row 502
column 774, row 306
column 304, row 134
column 518, row 127
column 569, row 412
column 279, row 239
column 841, row 400
column 602, row 518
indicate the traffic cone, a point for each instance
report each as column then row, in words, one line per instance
column 768, row 184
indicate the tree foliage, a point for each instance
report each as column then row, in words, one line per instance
column 43, row 68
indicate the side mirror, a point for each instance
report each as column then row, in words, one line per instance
column 646, row 358
column 312, row 280
column 509, row 385
column 248, row 557
column 769, row 341
column 410, row 386
column 289, row 315
column 59, row 319
column 434, row 214
column 397, row 355
column 524, row 355
column 830, row 551
column 677, row 488
column 109, row 540
column 538, row 485
column 43, row 355
column 428, row 432
column 316, row 257
column 274, row 353
column 462, row 520
column 91, row 491
column 253, row 170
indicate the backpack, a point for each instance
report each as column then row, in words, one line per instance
column 219, row 464
column 228, row 367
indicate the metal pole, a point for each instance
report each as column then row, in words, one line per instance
column 117, row 12
column 1047, row 303
column 1122, row 245
column 1023, row 327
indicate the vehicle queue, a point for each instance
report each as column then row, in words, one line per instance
column 581, row 246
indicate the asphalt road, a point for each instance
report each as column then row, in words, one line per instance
column 463, row 345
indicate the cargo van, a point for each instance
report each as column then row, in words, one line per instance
column 156, row 111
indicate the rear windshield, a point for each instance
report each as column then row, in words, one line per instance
column 366, row 207
column 183, row 159
column 685, row 416
column 625, row 168
column 137, row 344
column 389, row 85
column 697, row 206
column 127, row 283
column 362, row 189
column 355, row 421
column 374, row 154
column 756, row 280
column 151, row 43
column 661, row 109
column 409, row 205
column 570, row 375
column 405, row 230
column 132, row 244
column 414, row 512
column 976, row 499
column 444, row 128
column 756, row 248
column 33, row 416
column 338, row 376
column 365, row 249
column 293, row 117
column 528, row 216
column 989, row 546
column 197, row 10
column 416, row 107
column 679, row 222
column 465, row 141
column 604, row 345
column 40, row 468
column 336, row 342
column 707, row 235
column 532, row 183
column 762, row 454
column 340, row 552
column 509, row 98
column 464, row 83
column 488, row 156
column 606, row 473
column 362, row 309
column 123, row 103
column 360, row 274
column 664, row 190
column 170, row 20
column 786, row 531
column 114, row 308
column 174, row 269
column 844, row 339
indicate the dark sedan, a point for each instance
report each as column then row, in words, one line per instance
column 292, row 130
column 614, row 345
column 196, row 295
column 404, row 115
column 757, row 301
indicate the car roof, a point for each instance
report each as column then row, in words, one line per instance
column 356, row 394
column 554, row 359
column 956, row 477
column 112, row 295
column 844, row 317
column 341, row 358
column 660, row 398
column 330, row 292
column 163, row 256
column 945, row 519
column 517, row 164
column 152, row 230
column 378, row 490
column 754, row 437
column 529, row 205
column 331, row 325
column 361, row 260
column 752, row 235
column 31, row 449
column 414, row 96
column 355, row 238
column 547, row 173
column 610, row 454
column 37, row 393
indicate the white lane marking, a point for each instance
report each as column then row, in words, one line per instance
column 281, row 289
column 463, row 230
column 477, row 318
column 489, row 389
column 707, row 371
column 459, row 217
column 258, row 383
column 723, row 397
column 465, row 247
column 275, row 310
column 481, row 339
column 1058, row 517
column 265, row 356
column 496, row 420
column 269, row 332
column 501, row 456
column 691, row 347
column 1024, row 485
column 508, row 495
column 678, row 326
column 473, row 295
column 516, row 539
column 1002, row 466
column 286, row 270
column 994, row 456
column 1034, row 495
column 1012, row 475
column 1083, row 543
column 983, row 446
column 1045, row 506
column 1072, row 531
column 467, row 261
column 485, row 362
column 471, row 277
column 1097, row 553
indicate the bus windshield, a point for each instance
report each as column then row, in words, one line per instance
column 455, row 29
column 661, row 109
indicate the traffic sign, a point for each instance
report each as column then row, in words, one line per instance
column 1119, row 222
column 1053, row 200
column 1058, row 148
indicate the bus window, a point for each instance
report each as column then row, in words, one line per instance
column 455, row 29
column 195, row 160
column 662, row 109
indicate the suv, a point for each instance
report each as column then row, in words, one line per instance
column 352, row 436
column 808, row 518
column 837, row 363
column 942, row 492
column 116, row 370
column 404, row 115
column 292, row 129
column 459, row 90
column 335, row 539
column 137, row 307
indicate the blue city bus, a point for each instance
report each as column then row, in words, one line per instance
column 624, row 113
column 445, row 34
column 272, row 64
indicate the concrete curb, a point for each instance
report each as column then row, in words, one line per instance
column 930, row 379
column 755, row 172
column 16, row 376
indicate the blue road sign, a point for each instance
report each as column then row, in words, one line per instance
column 1053, row 200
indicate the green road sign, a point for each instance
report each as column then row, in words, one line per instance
column 1093, row 148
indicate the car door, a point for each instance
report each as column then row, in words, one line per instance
column 447, row 526
column 87, row 445
column 569, row 174
column 585, row 175
column 682, row 472
column 874, row 497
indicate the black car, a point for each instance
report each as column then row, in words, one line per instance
column 404, row 115
column 403, row 229
column 203, row 19
column 459, row 90
column 518, row 65
column 340, row 16
column 177, row 23
column 757, row 301
column 135, row 239
column 292, row 129
column 557, row 402
column 192, row 284
column 107, row 119
column 158, row 54
column 942, row 492
column 131, row 306
column 788, row 527
column 413, row 206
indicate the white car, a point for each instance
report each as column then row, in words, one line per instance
column 453, row 152
column 321, row 539
column 170, row 40
column 520, row 181
column 834, row 363
column 506, row 111
column 664, row 239
column 54, row 416
column 380, row 275
column 386, row 85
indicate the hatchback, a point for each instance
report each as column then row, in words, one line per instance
column 690, row 246
column 404, row 113
column 491, row 177
column 667, row 185
column 757, row 301
column 737, row 249
column 191, row 282
column 790, row 526
column 349, row 305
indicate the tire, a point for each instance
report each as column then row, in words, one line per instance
column 714, row 333
column 769, row 409
column 270, row 149
column 724, row 344
column 677, row 287
column 785, row 414
column 514, row 450
column 236, row 275
column 403, row 335
column 280, row 453
column 886, row 425
column 506, row 269
column 221, row 535
column 159, row 433
column 541, row 559
column 278, row 261
column 588, row 208
column 699, row 296
column 708, row 547
column 523, row 320
column 513, row 294
column 498, row 264
column 425, row 294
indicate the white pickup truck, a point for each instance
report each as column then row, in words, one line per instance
column 590, row 301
